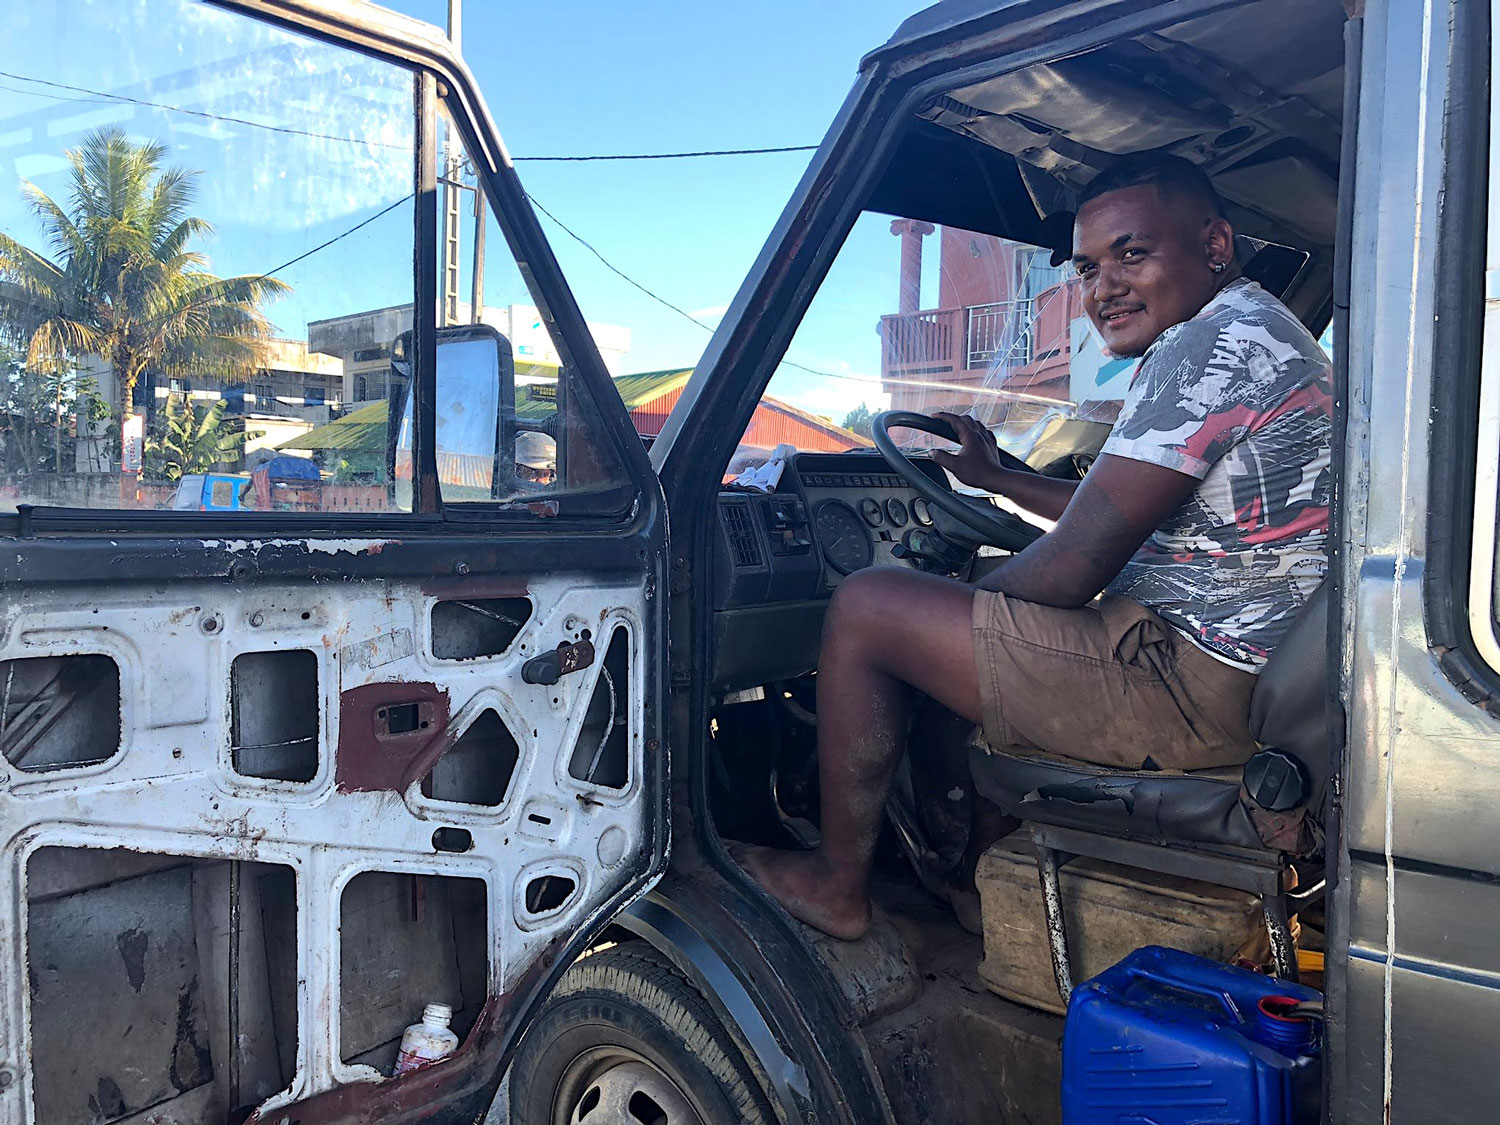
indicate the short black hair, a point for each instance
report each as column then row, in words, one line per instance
column 1170, row 175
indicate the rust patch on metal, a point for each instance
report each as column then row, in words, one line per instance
column 389, row 735
column 457, row 1089
column 469, row 1073
column 486, row 586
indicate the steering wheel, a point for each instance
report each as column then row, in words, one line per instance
column 986, row 522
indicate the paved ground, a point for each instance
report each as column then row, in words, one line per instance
column 499, row 1113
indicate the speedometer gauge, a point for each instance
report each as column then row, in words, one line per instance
column 842, row 535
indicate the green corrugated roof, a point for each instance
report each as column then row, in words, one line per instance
column 364, row 429
column 641, row 388
column 535, row 402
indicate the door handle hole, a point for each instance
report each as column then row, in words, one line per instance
column 452, row 840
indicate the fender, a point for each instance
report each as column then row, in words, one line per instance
column 771, row 994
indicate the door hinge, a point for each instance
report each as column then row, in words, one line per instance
column 682, row 579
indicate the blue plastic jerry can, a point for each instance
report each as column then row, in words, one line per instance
column 1166, row 1038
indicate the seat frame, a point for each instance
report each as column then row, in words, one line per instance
column 1265, row 874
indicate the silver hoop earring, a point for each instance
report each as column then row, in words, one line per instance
column 1219, row 267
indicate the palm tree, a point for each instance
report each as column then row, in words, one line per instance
column 123, row 283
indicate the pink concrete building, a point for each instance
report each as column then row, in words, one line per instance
column 1002, row 320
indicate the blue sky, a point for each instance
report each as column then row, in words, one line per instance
column 668, row 75
column 588, row 77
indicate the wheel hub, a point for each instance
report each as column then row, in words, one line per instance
column 627, row 1091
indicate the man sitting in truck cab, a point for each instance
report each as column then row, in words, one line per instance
column 1203, row 523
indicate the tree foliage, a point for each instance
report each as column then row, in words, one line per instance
column 40, row 412
column 859, row 420
column 192, row 440
column 123, row 281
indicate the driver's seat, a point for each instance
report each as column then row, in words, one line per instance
column 1237, row 827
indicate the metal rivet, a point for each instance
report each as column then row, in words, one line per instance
column 461, row 568
column 257, row 619
column 7, row 1078
column 210, row 624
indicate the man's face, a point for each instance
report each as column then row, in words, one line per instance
column 1146, row 260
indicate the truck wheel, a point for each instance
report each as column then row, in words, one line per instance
column 624, row 1038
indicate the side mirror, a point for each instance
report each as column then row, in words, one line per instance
column 475, row 407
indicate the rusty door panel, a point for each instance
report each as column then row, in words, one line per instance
column 386, row 710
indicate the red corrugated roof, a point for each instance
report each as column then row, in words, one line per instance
column 773, row 423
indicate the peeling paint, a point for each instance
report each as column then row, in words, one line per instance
column 312, row 546
column 379, row 650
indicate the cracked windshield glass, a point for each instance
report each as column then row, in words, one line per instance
column 923, row 317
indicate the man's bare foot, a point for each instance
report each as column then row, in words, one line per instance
column 807, row 890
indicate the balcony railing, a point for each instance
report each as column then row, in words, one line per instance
column 922, row 340
column 999, row 332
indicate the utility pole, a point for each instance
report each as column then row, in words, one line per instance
column 453, row 189
column 452, row 162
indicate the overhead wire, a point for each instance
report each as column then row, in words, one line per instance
column 589, row 246
column 96, row 95
column 847, row 376
column 670, row 155
column 344, row 234
column 245, row 121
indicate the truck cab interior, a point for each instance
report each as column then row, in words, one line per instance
column 947, row 289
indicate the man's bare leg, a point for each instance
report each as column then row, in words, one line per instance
column 887, row 631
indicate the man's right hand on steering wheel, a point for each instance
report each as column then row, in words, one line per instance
column 981, row 463
column 978, row 461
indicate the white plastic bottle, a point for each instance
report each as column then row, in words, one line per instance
column 428, row 1041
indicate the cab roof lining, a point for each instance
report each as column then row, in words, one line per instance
column 1252, row 94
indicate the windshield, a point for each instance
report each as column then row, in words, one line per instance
column 920, row 317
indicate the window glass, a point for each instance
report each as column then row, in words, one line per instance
column 927, row 318
column 515, row 423
column 207, row 245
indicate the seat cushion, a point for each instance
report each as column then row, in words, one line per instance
column 1201, row 807
column 1289, row 709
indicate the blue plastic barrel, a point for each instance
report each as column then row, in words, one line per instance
column 1166, row 1038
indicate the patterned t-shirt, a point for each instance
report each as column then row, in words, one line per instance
column 1239, row 397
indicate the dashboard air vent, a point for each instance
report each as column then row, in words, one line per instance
column 743, row 546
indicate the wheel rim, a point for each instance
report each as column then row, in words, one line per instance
column 613, row 1086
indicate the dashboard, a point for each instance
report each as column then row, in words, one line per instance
column 858, row 518
column 831, row 514
column 782, row 554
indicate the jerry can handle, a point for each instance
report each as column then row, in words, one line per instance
column 1207, row 991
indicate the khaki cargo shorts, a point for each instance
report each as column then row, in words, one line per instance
column 1110, row 682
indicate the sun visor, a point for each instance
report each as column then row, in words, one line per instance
column 942, row 177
